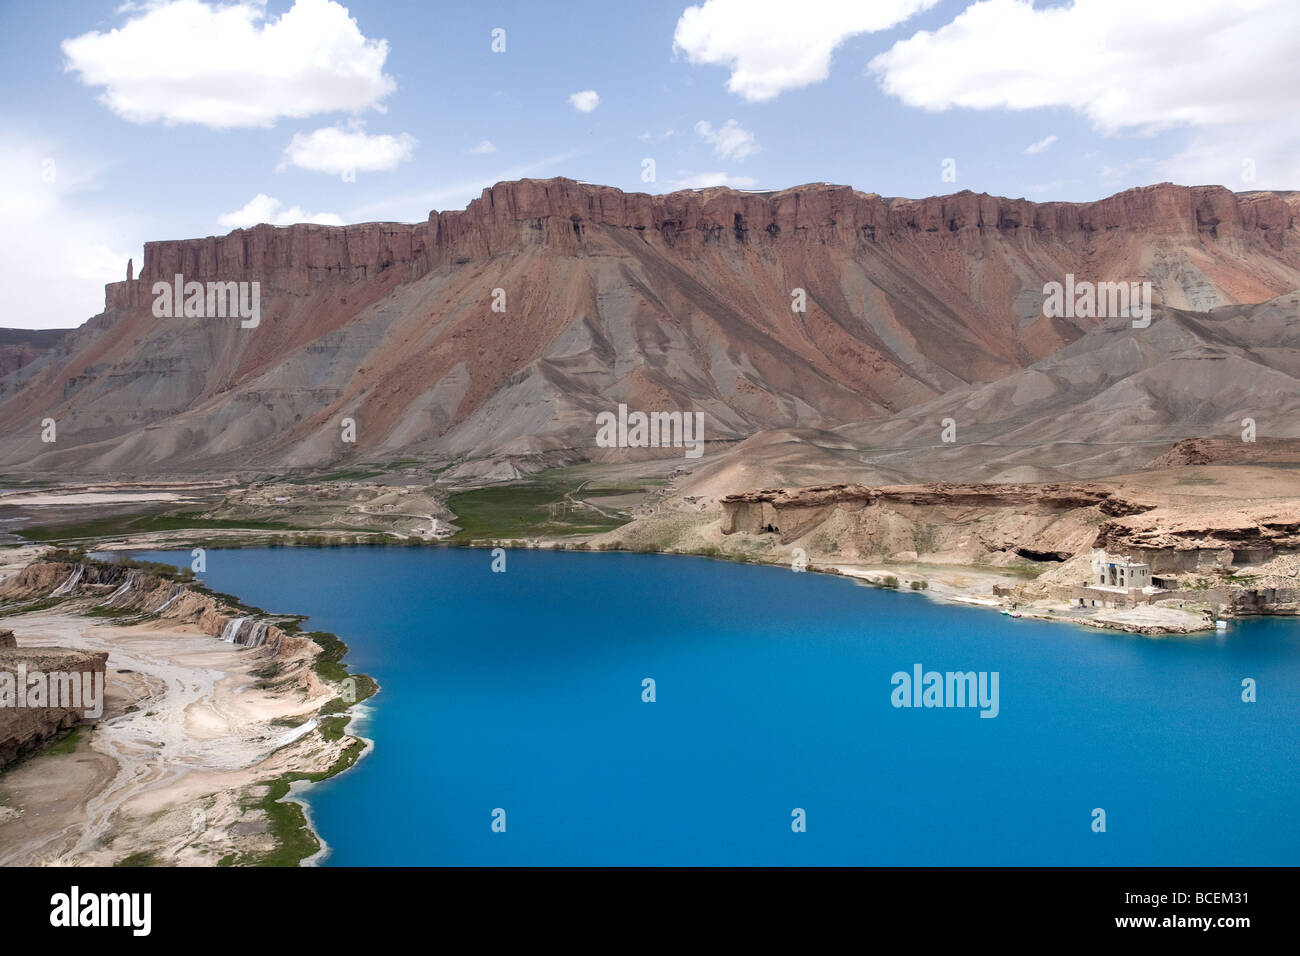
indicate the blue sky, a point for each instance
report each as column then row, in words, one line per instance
column 179, row 118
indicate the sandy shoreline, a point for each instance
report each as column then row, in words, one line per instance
column 175, row 771
column 972, row 586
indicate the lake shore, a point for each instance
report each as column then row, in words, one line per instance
column 199, row 742
column 184, row 728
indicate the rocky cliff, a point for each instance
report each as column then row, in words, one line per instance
column 1178, row 541
column 1247, row 553
column 24, row 728
column 678, row 301
column 947, row 522
column 124, row 589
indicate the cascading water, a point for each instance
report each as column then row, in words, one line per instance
column 176, row 592
column 230, row 632
column 122, row 589
column 67, row 586
column 257, row 637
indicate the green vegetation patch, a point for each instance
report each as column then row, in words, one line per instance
column 287, row 823
column 25, row 607
column 143, row 524
column 65, row 745
column 538, row 508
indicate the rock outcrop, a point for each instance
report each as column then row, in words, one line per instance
column 941, row 521
column 1180, row 541
column 25, row 725
column 124, row 588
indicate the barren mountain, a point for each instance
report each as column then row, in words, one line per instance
column 19, row 347
column 1111, row 402
column 672, row 302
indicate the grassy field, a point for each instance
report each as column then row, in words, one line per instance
column 142, row 523
column 536, row 508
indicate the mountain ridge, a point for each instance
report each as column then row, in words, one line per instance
column 676, row 300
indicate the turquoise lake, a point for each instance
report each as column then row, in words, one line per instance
column 523, row 691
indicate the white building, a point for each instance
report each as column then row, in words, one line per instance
column 1119, row 572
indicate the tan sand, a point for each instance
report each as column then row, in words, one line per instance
column 172, row 765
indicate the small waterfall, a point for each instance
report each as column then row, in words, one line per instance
column 245, row 631
column 125, row 586
column 177, row 591
column 67, row 586
column 257, row 636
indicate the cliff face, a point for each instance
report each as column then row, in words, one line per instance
column 128, row 589
column 1248, row 554
column 943, row 521
column 507, row 216
column 24, row 728
column 1213, row 540
column 678, row 301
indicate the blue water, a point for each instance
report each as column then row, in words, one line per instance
column 522, row 691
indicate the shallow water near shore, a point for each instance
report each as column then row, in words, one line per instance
column 523, row 691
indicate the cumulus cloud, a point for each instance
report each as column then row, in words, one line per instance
column 1035, row 148
column 705, row 180
column 263, row 208
column 772, row 46
column 1126, row 66
column 584, row 101
column 732, row 141
column 1225, row 72
column 338, row 151
column 223, row 66
column 56, row 250
column 484, row 146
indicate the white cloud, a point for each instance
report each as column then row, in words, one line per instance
column 732, row 141
column 705, row 180
column 55, row 253
column 585, row 101
column 338, row 151
column 263, row 208
column 1126, row 66
column 772, row 45
column 1241, row 158
column 1040, row 146
column 1226, row 72
column 187, row 61
column 484, row 146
